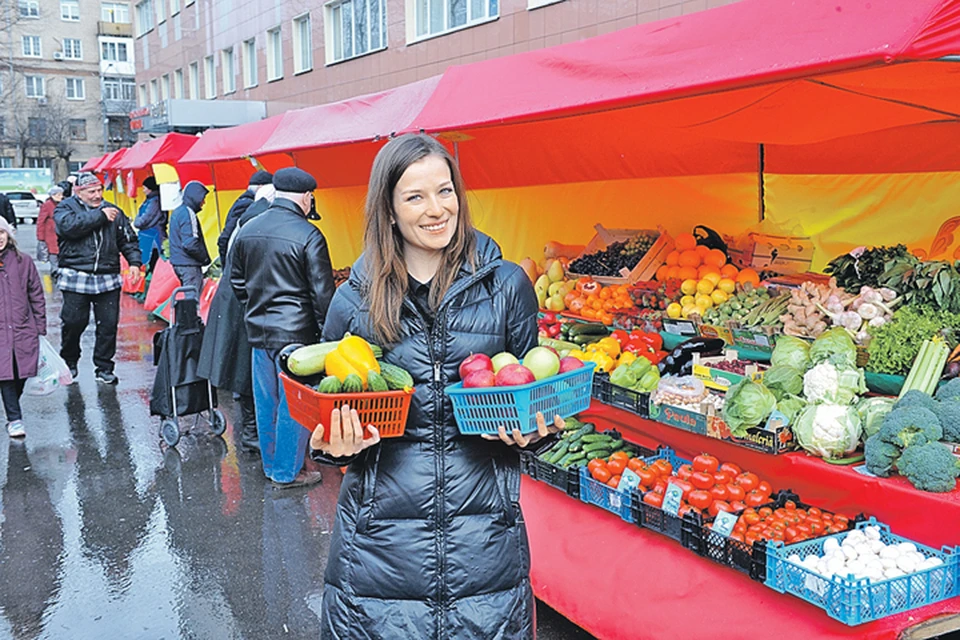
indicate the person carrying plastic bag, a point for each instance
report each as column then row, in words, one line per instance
column 23, row 319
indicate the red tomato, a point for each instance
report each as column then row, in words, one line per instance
column 750, row 538
column 804, row 529
column 684, row 471
column 619, row 455
column 764, row 487
column 660, row 487
column 836, row 528
column 718, row 506
column 736, row 492
column 719, row 492
column 813, row 512
column 663, row 467
column 685, row 486
column 596, row 463
column 841, row 519
column 764, row 512
column 705, row 462
column 647, row 475
column 816, row 526
column 617, row 466
column 634, row 464
column 732, row 469
column 737, row 506
column 790, row 505
column 602, row 474
column 790, row 534
column 654, row 499
column 737, row 537
column 700, row 499
column 702, row 480
column 722, row 477
column 751, row 517
column 755, row 499
column 614, row 482
column 685, row 509
column 748, row 481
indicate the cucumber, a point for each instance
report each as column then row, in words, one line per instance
column 575, row 446
column 589, row 328
column 557, row 452
column 375, row 381
column 570, row 459
column 397, row 378
column 600, row 453
column 595, row 446
column 330, row 384
column 597, row 437
column 572, row 424
column 582, row 431
column 309, row 360
column 352, row 384
column 616, row 445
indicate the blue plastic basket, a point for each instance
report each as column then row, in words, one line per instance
column 483, row 410
column 853, row 601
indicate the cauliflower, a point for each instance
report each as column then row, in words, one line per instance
column 929, row 467
column 827, row 382
column 828, row 430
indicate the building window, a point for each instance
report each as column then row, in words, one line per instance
column 161, row 14
column 75, row 89
column 40, row 163
column 34, row 86
column 31, row 46
column 178, row 84
column 355, row 27
column 121, row 89
column 194, row 78
column 227, row 71
column 143, row 95
column 70, row 10
column 72, row 49
column 154, row 91
column 115, row 12
column 165, row 86
column 36, row 127
column 250, row 63
column 144, row 16
column 174, row 7
column 210, row 78
column 274, row 54
column 29, row 8
column 6, row 162
column 113, row 51
column 434, row 17
column 78, row 129
column 302, row 44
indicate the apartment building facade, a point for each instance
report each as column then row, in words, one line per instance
column 66, row 82
column 303, row 52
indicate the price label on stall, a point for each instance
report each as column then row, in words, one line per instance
column 629, row 481
column 724, row 523
column 672, row 498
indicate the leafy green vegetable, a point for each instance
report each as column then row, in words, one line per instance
column 747, row 404
column 783, row 380
column 828, row 430
column 854, row 272
column 790, row 406
column 834, row 346
column 871, row 411
column 791, row 351
column 895, row 344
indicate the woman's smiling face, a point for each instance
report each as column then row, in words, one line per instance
column 425, row 206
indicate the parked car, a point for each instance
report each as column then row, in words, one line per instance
column 25, row 205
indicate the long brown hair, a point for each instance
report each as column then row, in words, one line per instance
column 383, row 244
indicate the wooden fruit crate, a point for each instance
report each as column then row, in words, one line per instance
column 646, row 267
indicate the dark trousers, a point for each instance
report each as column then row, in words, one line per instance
column 190, row 277
column 11, row 390
column 75, row 315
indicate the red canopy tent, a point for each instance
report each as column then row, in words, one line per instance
column 93, row 163
column 225, row 151
column 167, row 148
column 109, row 161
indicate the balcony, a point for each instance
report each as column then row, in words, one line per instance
column 118, row 107
column 117, row 29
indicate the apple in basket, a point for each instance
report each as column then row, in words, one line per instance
column 503, row 359
column 475, row 362
column 479, row 378
column 543, row 362
column 569, row 363
column 513, row 375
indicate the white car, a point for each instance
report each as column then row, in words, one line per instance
column 25, row 205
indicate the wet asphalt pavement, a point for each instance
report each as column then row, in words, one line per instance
column 107, row 533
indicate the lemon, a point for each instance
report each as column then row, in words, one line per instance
column 689, row 287
column 674, row 310
column 704, row 301
column 705, row 286
column 719, row 297
column 687, row 301
column 727, row 285
column 712, row 277
column 690, row 309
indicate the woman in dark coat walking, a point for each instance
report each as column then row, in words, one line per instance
column 23, row 319
column 429, row 540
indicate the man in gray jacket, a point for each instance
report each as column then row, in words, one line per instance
column 188, row 250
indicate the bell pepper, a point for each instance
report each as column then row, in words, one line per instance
column 626, row 358
column 579, row 354
column 603, row 361
column 352, row 356
column 610, row 346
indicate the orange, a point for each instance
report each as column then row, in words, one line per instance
column 707, row 268
column 673, row 257
column 715, row 257
column 685, row 242
column 702, row 250
column 605, row 293
column 748, row 275
column 687, row 273
column 689, row 259
column 673, row 272
column 662, row 273
column 729, row 271
column 587, row 312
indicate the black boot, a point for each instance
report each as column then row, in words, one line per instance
column 249, row 440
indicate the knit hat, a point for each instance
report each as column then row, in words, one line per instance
column 85, row 180
column 150, row 183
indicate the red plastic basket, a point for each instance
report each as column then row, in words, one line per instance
column 386, row 410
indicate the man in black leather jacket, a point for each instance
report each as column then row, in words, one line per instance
column 281, row 273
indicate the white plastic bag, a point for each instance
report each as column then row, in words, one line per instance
column 52, row 372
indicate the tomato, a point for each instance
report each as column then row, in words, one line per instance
column 813, row 512
column 736, row 536
column 764, row 512
column 722, row 477
column 804, row 529
column 736, row 492
column 663, row 467
column 596, row 463
column 718, row 506
column 619, row 455
column 732, row 469
column 741, row 526
column 654, row 499
column 737, row 506
column 702, row 480
column 614, row 482
column 841, row 519
column 705, row 462
column 700, row 499
column 617, row 466
column 748, row 481
column 764, row 487
column 750, row 538
column 755, row 499
column 816, row 526
column 660, row 487
column 635, row 464
column 790, row 505
column 719, row 492
column 684, row 471
column 789, row 534
column 685, row 486
column 647, row 475
column 751, row 517
column 602, row 474
column 836, row 528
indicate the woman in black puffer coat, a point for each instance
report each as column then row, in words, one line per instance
column 429, row 540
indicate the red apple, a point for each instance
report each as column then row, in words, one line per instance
column 569, row 364
column 479, row 378
column 514, row 375
column 475, row 362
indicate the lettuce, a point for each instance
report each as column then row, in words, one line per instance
column 792, row 352
column 783, row 380
column 834, row 346
column 790, row 406
column 747, row 404
column 871, row 411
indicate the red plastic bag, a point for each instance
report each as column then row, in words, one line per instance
column 162, row 284
column 206, row 297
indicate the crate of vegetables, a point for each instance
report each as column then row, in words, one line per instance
column 622, row 256
column 864, row 574
column 785, row 517
column 722, row 372
column 609, row 461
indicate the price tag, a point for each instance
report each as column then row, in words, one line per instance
column 672, row 498
column 724, row 523
column 629, row 481
column 862, row 470
column 776, row 419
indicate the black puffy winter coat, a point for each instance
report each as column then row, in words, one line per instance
column 429, row 541
column 90, row 242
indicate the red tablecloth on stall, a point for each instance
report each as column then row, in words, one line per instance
column 619, row 581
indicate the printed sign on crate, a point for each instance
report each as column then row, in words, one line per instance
column 680, row 418
column 753, row 340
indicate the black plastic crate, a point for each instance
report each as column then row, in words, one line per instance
column 567, row 480
column 685, row 530
column 636, row 402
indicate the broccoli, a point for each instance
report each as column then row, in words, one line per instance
column 930, row 467
column 910, row 425
column 880, row 456
column 914, row 398
column 949, row 390
column 948, row 412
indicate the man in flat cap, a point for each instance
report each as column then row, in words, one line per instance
column 281, row 273
column 257, row 180
column 151, row 222
column 92, row 235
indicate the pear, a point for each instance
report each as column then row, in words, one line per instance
column 555, row 288
column 555, row 273
column 541, row 286
column 555, row 303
